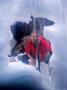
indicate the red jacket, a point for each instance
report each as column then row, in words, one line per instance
column 44, row 48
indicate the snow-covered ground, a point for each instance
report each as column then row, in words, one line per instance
column 18, row 74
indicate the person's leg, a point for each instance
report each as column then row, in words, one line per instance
column 25, row 59
column 13, row 45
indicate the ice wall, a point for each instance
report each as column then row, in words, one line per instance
column 56, row 10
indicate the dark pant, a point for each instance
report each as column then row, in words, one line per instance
column 24, row 58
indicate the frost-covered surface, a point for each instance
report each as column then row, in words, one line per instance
column 56, row 10
column 20, row 74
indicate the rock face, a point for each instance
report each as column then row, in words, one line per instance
column 21, row 29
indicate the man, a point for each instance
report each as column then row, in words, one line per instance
column 35, row 45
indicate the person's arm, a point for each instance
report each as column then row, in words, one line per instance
column 49, row 53
column 27, row 50
column 32, row 60
column 50, row 48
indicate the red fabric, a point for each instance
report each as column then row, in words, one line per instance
column 30, row 49
column 44, row 48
